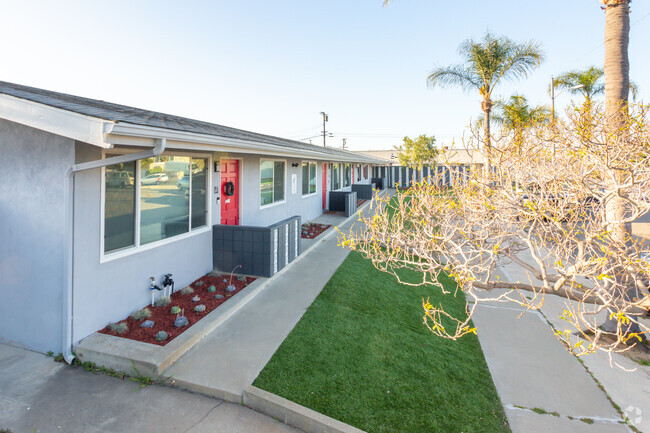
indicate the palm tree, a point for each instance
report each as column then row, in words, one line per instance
column 487, row 62
column 588, row 83
column 617, row 63
column 517, row 115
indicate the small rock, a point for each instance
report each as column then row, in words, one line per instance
column 196, row 299
column 231, row 288
column 147, row 324
column 218, row 296
column 181, row 321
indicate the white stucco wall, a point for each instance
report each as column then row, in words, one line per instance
column 110, row 291
column 33, row 166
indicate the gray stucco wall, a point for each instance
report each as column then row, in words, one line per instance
column 34, row 163
column 109, row 291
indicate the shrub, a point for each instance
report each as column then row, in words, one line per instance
column 161, row 336
column 120, row 327
column 199, row 308
column 162, row 301
column 145, row 313
column 187, row 290
column 175, row 309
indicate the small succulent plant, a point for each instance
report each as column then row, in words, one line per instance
column 241, row 278
column 162, row 301
column 143, row 314
column 187, row 290
column 181, row 321
column 218, row 296
column 161, row 336
column 199, row 308
column 212, row 289
column 175, row 309
column 119, row 327
column 198, row 283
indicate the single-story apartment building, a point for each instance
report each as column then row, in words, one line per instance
column 452, row 165
column 95, row 198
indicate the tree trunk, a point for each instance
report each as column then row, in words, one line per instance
column 486, row 105
column 617, row 88
column 617, row 63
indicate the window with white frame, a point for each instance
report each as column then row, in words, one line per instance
column 336, row 179
column 271, row 181
column 153, row 199
column 308, row 178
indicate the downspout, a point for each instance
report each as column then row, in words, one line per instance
column 68, row 270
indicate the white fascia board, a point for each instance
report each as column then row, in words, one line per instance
column 54, row 120
column 132, row 134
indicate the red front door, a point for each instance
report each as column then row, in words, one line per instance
column 230, row 185
column 324, row 186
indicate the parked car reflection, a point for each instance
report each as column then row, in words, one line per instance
column 154, row 179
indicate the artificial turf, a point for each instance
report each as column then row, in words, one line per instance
column 361, row 354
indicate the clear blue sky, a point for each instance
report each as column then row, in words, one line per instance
column 272, row 66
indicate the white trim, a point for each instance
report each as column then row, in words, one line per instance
column 106, row 134
column 309, row 194
column 55, row 120
column 284, row 183
column 123, row 132
column 128, row 251
column 137, row 247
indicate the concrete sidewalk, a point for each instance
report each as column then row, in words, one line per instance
column 40, row 395
column 229, row 359
column 534, row 373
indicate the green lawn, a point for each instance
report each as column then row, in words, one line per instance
column 361, row 354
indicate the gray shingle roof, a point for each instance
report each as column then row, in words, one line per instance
column 121, row 113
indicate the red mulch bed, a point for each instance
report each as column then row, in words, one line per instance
column 164, row 319
column 312, row 230
column 360, row 201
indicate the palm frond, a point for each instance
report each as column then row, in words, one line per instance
column 456, row 75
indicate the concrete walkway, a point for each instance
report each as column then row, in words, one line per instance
column 230, row 358
column 40, row 395
column 534, row 373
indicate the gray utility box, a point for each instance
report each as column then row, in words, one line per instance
column 261, row 251
column 343, row 201
column 380, row 182
column 364, row 192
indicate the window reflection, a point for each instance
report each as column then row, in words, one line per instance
column 164, row 202
column 119, row 208
column 199, row 186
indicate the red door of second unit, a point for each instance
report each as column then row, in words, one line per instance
column 324, row 186
column 230, row 192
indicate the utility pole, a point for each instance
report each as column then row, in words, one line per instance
column 552, row 98
column 325, row 119
column 344, row 140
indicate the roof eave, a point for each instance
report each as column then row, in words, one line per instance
column 54, row 120
column 122, row 134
